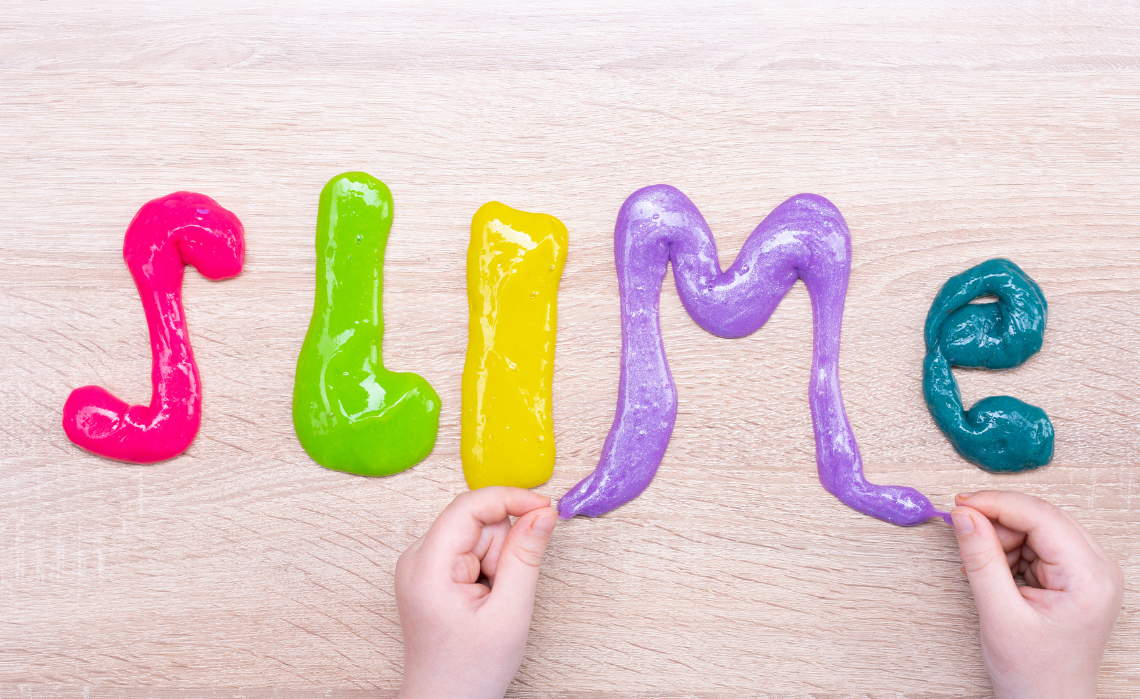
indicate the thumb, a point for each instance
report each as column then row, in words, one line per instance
column 984, row 562
column 521, row 557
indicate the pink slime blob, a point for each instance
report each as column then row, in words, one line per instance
column 166, row 235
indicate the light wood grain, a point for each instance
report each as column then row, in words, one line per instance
column 945, row 135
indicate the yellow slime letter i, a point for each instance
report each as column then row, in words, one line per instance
column 513, row 266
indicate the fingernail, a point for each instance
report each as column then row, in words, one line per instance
column 963, row 522
column 543, row 525
column 965, row 496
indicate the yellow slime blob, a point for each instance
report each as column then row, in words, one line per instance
column 514, row 264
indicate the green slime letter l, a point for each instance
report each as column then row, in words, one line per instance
column 350, row 413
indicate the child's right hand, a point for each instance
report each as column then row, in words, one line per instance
column 465, row 592
column 1045, row 639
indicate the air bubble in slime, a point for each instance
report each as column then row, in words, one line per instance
column 350, row 412
column 514, row 263
column 803, row 238
column 165, row 235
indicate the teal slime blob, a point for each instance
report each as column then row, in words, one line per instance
column 1000, row 433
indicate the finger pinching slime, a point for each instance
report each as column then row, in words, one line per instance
column 350, row 412
column 165, row 235
column 999, row 433
column 803, row 238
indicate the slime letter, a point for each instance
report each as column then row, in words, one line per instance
column 803, row 238
column 514, row 263
column 999, row 433
column 165, row 235
column 350, row 413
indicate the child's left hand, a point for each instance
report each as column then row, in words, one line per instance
column 465, row 591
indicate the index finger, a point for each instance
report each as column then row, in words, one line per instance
column 1051, row 534
column 458, row 527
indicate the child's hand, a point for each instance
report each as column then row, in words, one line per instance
column 465, row 591
column 1045, row 639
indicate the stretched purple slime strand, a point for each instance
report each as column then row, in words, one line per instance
column 803, row 238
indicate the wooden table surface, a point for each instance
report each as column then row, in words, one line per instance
column 946, row 136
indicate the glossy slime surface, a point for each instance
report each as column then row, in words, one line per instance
column 803, row 238
column 514, row 264
column 350, row 413
column 165, row 235
column 999, row 433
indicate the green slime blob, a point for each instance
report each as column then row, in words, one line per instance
column 350, row 413
column 999, row 433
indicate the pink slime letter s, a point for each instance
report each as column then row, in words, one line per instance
column 166, row 235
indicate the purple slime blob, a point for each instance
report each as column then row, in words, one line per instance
column 803, row 238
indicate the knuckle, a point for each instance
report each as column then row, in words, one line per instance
column 1118, row 576
column 1053, row 510
column 529, row 556
column 1099, row 596
column 978, row 560
column 403, row 571
column 1113, row 585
